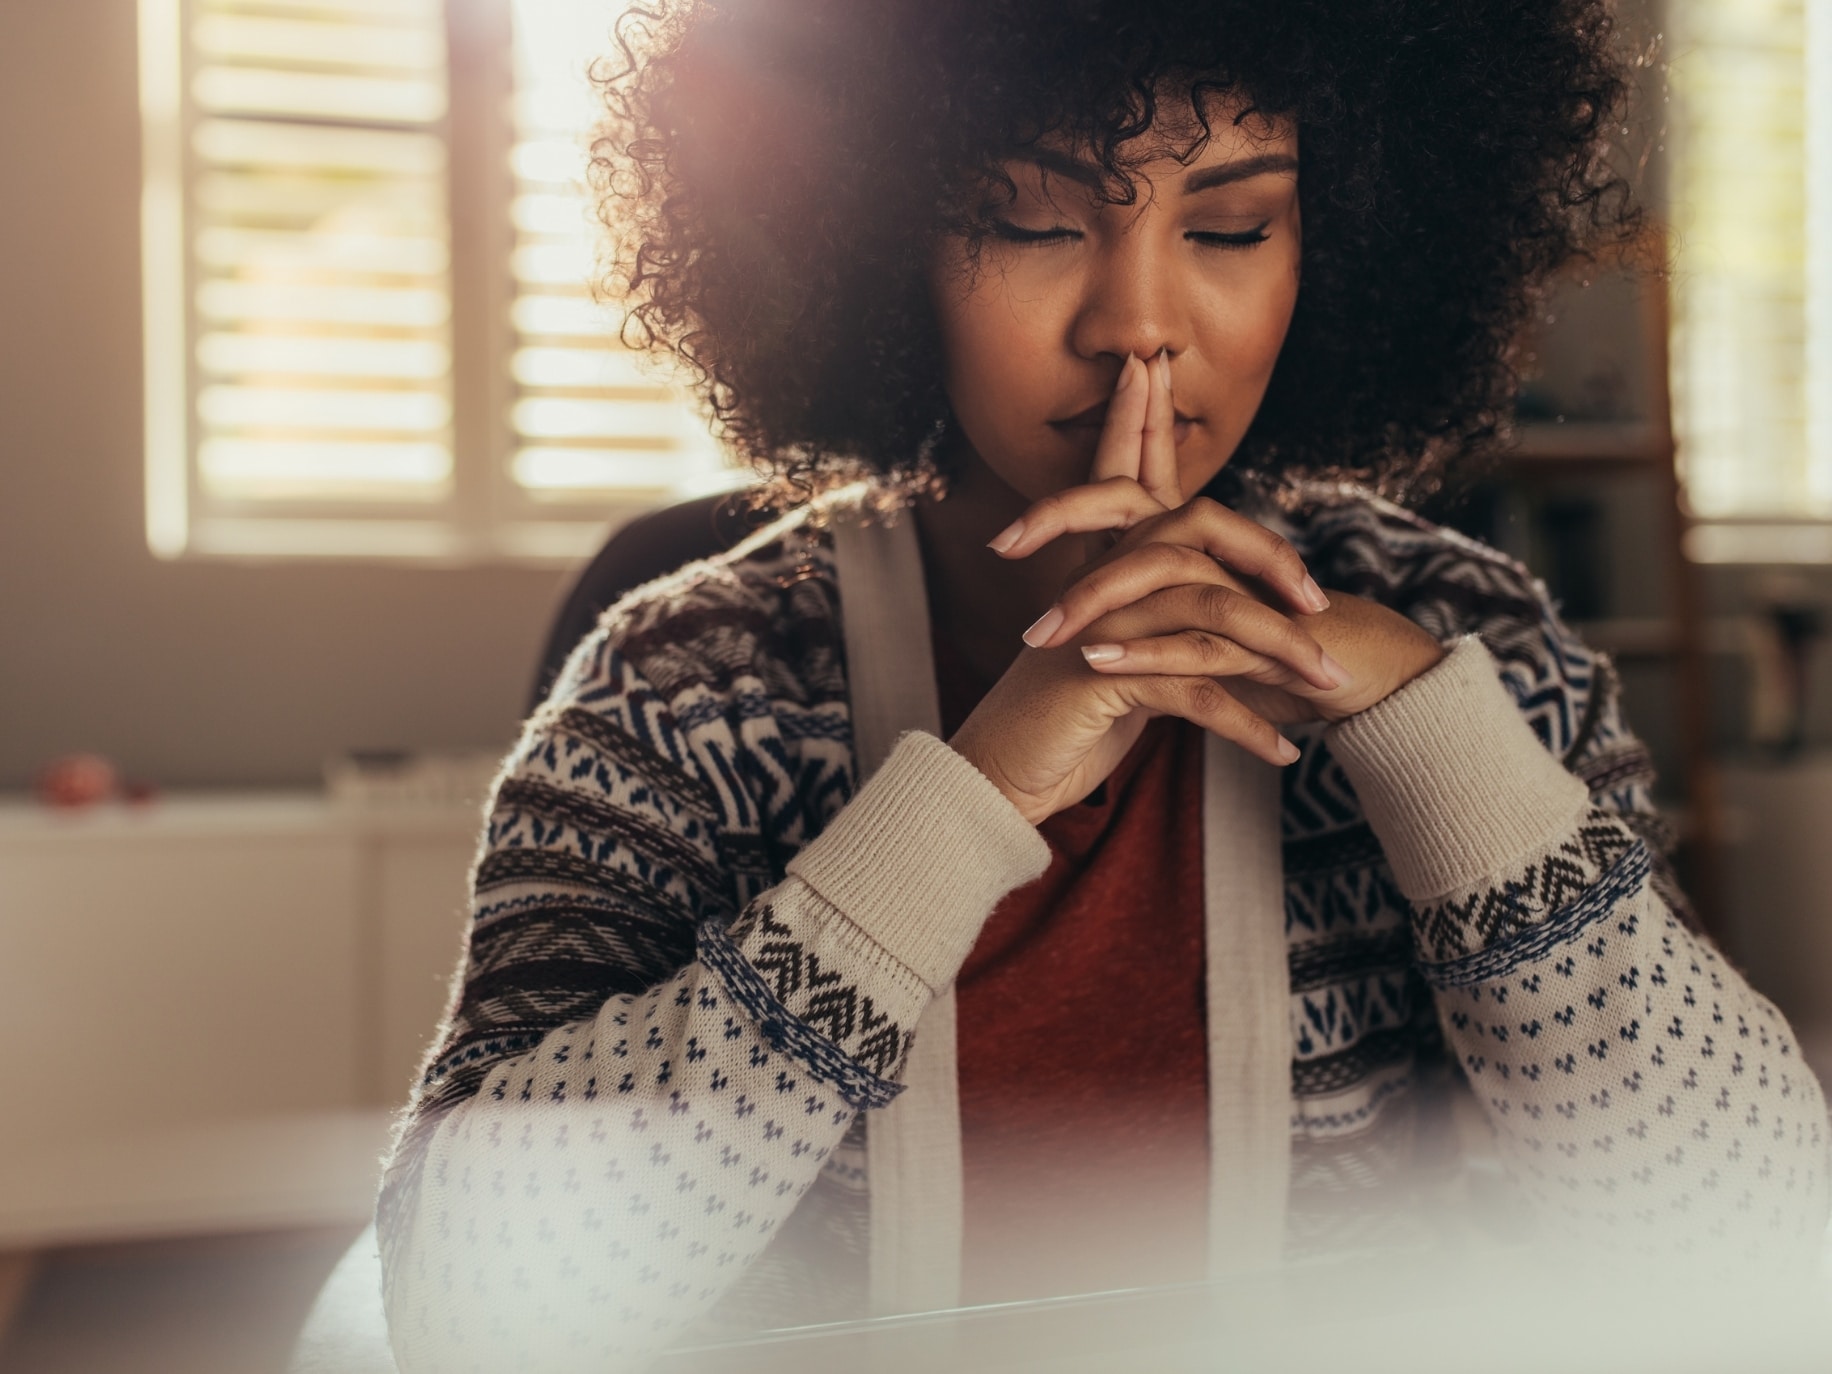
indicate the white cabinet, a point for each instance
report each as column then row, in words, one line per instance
column 245, row 983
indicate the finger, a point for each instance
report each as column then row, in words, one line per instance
column 1117, row 454
column 1223, row 613
column 1167, row 587
column 1200, row 653
column 1116, row 503
column 1201, row 701
column 1246, row 547
column 1119, row 581
column 1158, row 441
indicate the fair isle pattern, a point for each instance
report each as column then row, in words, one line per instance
column 608, row 823
column 644, row 1109
column 1335, row 875
column 1661, row 1105
column 1569, row 870
column 833, row 1003
column 824, row 998
column 1614, row 886
column 636, row 1168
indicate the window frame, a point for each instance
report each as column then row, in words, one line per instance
column 1795, row 525
column 487, row 518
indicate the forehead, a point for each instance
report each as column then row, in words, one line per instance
column 1184, row 136
column 1214, row 126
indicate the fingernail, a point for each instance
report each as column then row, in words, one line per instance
column 1006, row 537
column 1126, row 376
column 1288, row 752
column 1313, row 595
column 1102, row 653
column 1047, row 624
column 1342, row 675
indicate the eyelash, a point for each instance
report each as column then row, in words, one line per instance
column 1012, row 233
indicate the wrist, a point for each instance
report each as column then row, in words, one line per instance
column 1406, row 656
column 967, row 743
column 920, row 856
column 1452, row 777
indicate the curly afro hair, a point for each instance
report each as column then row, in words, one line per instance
column 776, row 174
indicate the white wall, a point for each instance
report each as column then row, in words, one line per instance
column 189, row 674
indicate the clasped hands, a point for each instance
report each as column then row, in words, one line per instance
column 1194, row 611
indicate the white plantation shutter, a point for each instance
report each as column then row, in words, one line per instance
column 1752, row 291
column 322, row 380
column 588, row 421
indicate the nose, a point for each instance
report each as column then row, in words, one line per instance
column 1131, row 301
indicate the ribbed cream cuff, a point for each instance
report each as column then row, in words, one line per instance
column 922, row 855
column 1453, row 779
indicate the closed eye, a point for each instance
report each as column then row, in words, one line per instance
column 1246, row 239
column 1017, row 233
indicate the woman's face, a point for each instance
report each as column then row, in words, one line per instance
column 1204, row 264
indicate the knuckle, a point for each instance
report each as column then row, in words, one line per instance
column 1217, row 605
column 1205, row 698
column 1283, row 555
column 1208, row 650
column 1097, row 585
column 1182, row 523
column 1193, row 565
column 1150, row 521
column 1127, row 496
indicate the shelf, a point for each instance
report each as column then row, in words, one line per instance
column 1592, row 443
column 1658, row 637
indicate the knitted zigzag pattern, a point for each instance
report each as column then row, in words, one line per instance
column 628, row 983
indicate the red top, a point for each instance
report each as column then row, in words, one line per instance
column 1082, row 1040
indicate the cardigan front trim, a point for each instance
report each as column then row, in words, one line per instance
column 535, row 1213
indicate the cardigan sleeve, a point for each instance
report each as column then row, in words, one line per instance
column 634, row 1089
column 1642, row 1093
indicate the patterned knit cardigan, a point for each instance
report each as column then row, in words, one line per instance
column 645, row 1104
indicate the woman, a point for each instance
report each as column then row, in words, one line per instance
column 982, row 799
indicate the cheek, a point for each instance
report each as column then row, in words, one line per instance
column 1242, row 334
column 1249, row 329
column 990, row 344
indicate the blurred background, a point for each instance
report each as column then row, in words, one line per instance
column 308, row 419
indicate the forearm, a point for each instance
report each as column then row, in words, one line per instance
column 602, row 1191
column 1640, row 1090
column 599, row 1194
column 1627, row 1071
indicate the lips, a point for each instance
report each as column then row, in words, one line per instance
column 1095, row 416
column 1092, row 418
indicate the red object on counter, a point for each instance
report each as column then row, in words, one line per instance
column 77, row 780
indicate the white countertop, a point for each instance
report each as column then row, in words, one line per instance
column 179, row 814
column 306, row 1169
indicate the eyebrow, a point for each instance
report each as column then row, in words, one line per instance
column 1204, row 179
column 1229, row 172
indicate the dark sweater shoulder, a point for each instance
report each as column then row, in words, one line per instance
column 1376, row 549
column 1446, row 582
column 760, row 618
column 1452, row 585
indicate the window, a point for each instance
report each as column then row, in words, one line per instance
column 368, row 254
column 1752, row 346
